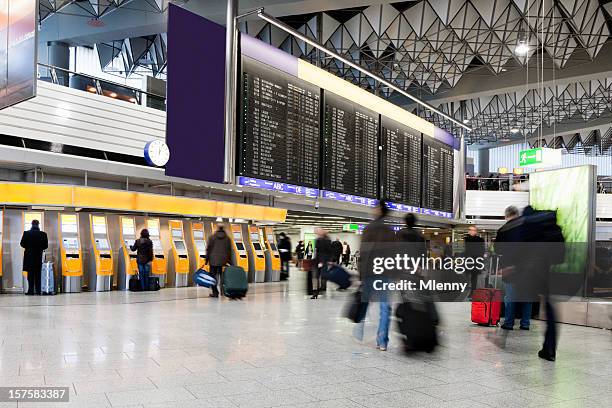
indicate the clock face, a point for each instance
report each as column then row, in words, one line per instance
column 157, row 153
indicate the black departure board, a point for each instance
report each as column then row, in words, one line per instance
column 350, row 145
column 438, row 164
column 280, row 126
column 401, row 163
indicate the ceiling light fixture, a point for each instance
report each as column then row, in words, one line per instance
column 522, row 48
column 514, row 130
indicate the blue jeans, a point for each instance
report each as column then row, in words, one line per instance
column 509, row 303
column 143, row 274
column 382, row 335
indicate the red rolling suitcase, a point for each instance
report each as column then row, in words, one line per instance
column 486, row 306
column 487, row 302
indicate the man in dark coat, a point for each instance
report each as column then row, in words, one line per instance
column 284, row 248
column 34, row 242
column 218, row 254
column 378, row 240
column 337, row 250
column 324, row 254
column 144, row 256
column 512, row 271
column 474, row 248
column 416, row 246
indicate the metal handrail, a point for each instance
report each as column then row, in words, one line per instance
column 130, row 88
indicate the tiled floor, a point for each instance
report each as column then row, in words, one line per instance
column 179, row 348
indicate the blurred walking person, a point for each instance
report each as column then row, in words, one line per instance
column 284, row 247
column 218, row 254
column 34, row 242
column 144, row 256
column 323, row 256
column 377, row 239
column 507, row 247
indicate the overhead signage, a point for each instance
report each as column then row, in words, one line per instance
column 347, row 198
column 278, row 187
column 540, row 157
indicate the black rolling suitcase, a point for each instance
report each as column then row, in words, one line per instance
column 154, row 284
column 417, row 321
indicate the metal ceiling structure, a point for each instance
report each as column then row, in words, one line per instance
column 431, row 48
column 428, row 46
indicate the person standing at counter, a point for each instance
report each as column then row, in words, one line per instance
column 218, row 254
column 34, row 242
column 284, row 247
column 144, row 256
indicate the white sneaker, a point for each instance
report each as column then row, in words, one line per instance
column 382, row 348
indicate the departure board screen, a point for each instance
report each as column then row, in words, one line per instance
column 438, row 163
column 280, row 126
column 350, row 148
column 401, row 163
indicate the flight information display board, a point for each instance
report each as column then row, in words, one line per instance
column 280, row 126
column 350, row 145
column 401, row 163
column 438, row 163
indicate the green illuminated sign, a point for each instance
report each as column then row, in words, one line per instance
column 350, row 227
column 530, row 157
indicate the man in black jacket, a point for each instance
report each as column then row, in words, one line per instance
column 218, row 254
column 414, row 239
column 144, row 256
column 337, row 250
column 507, row 247
column 34, row 242
column 284, row 248
column 323, row 256
column 474, row 248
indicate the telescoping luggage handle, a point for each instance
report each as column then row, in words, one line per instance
column 493, row 269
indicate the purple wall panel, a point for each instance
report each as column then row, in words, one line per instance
column 195, row 96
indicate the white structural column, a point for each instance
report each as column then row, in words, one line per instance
column 230, row 89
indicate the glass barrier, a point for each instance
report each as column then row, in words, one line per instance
column 87, row 83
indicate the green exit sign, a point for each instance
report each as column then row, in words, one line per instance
column 350, row 227
column 530, row 157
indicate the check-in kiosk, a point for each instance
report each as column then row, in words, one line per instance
column 101, row 260
column 273, row 263
column 28, row 217
column 198, row 237
column 257, row 259
column 128, row 266
column 242, row 257
column 179, row 275
column 159, row 266
column 70, row 253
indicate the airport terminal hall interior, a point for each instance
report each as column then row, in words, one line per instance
column 306, row 203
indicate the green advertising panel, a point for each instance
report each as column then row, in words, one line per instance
column 569, row 192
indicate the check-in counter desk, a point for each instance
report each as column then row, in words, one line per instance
column 178, row 270
column 159, row 266
column 238, row 243
column 101, row 268
column 70, row 253
column 197, row 235
column 255, row 250
column 127, row 264
column 27, row 218
column 273, row 263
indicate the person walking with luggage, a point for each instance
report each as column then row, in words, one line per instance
column 144, row 256
column 506, row 247
column 218, row 254
column 284, row 247
column 474, row 248
column 346, row 253
column 377, row 240
column 323, row 256
column 34, row 242
column 299, row 253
